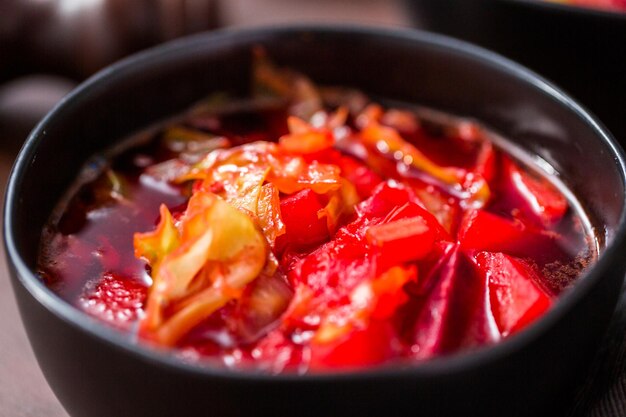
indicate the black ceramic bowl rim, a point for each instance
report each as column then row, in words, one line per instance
column 582, row 11
column 456, row 363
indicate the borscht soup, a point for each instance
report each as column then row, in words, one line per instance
column 307, row 228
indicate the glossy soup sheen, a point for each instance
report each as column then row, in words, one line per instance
column 386, row 233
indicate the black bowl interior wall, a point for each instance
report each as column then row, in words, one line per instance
column 97, row 372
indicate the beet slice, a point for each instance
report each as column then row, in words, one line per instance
column 400, row 241
column 368, row 346
column 484, row 231
column 363, row 178
column 302, row 224
column 456, row 311
column 531, row 197
column 516, row 298
column 114, row 299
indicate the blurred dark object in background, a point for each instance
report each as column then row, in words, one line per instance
column 272, row 12
column 68, row 40
column 23, row 102
column 582, row 50
column 75, row 38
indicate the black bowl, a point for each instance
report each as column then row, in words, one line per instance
column 96, row 371
column 582, row 49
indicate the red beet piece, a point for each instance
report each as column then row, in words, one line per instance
column 386, row 197
column 538, row 199
column 302, row 225
column 484, row 231
column 399, row 241
column 391, row 201
column 516, row 299
column 371, row 345
column 276, row 352
column 364, row 179
column 115, row 300
column 336, row 267
column 455, row 312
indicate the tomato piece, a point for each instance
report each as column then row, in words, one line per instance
column 472, row 305
column 299, row 213
column 516, row 299
column 537, row 197
column 400, row 241
column 370, row 345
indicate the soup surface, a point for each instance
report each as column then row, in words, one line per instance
column 307, row 228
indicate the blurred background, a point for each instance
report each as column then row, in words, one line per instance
column 49, row 46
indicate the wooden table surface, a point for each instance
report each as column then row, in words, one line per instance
column 25, row 393
column 23, row 390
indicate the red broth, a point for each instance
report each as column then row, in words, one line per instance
column 403, row 237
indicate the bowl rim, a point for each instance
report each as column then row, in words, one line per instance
column 576, row 10
column 457, row 363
